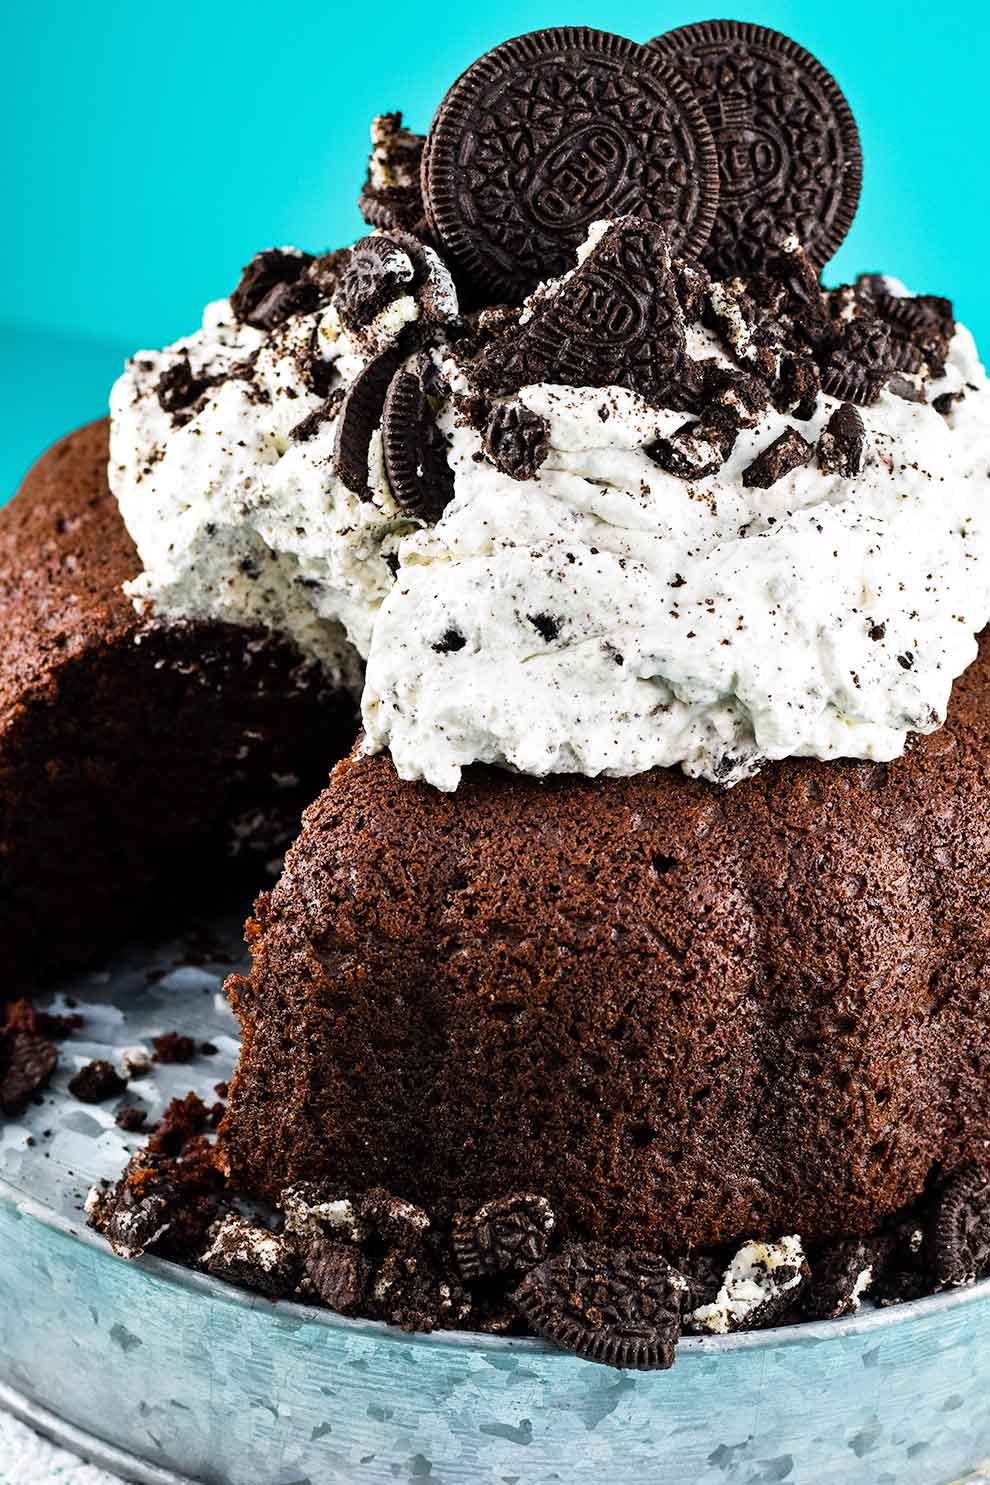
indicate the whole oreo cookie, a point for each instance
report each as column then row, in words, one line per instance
column 553, row 131
column 788, row 147
column 419, row 476
column 608, row 1304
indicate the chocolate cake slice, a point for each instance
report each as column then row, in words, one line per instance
column 135, row 757
column 678, row 1013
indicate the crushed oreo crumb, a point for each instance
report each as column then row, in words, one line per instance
column 516, row 440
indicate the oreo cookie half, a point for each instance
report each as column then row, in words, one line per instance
column 360, row 415
column 608, row 1304
column 787, row 143
column 419, row 476
column 553, row 131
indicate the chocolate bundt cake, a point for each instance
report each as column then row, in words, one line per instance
column 679, row 1014
column 135, row 756
column 648, row 923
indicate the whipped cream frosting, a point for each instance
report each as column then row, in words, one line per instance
column 604, row 617
column 238, row 519
column 607, row 617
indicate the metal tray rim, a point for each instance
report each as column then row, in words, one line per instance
column 94, row 1451
column 809, row 1333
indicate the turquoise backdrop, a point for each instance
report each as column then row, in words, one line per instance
column 148, row 149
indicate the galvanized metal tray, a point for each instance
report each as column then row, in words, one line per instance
column 168, row 1377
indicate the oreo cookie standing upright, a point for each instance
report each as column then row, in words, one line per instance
column 788, row 147
column 552, row 131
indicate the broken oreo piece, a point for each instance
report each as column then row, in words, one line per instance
column 609, row 1305
column 615, row 321
column 433, row 286
column 360, row 415
column 842, row 446
column 516, row 440
column 505, row 1236
column 758, row 1288
column 786, row 453
column 130, row 1221
column 391, row 196
column 840, row 1276
column 252, row 1256
column 339, row 1273
column 96, row 1082
column 419, row 476
column 262, row 297
column 178, row 388
column 739, row 401
column 377, row 273
column 859, row 362
column 27, row 1059
column 788, row 147
column 958, row 1238
column 693, row 451
column 796, row 388
column 552, row 131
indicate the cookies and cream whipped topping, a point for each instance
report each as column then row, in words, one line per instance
column 645, row 520
column 608, row 617
column 224, row 456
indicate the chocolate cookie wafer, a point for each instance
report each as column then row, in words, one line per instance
column 788, row 147
column 555, row 130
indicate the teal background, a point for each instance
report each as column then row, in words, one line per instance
column 148, row 149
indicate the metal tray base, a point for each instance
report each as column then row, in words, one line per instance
column 168, row 1377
